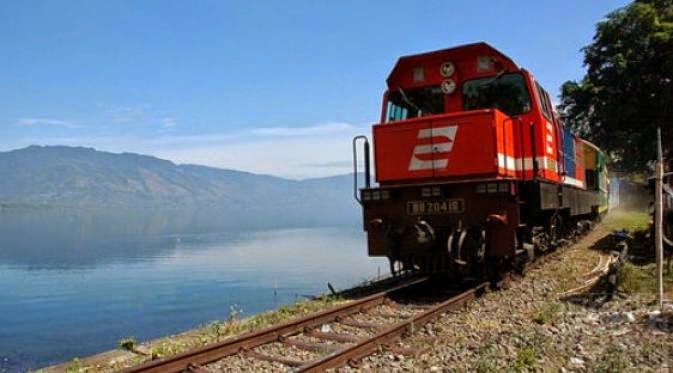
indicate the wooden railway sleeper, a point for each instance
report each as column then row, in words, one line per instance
column 412, row 307
column 282, row 360
column 409, row 351
column 359, row 324
column 337, row 337
column 387, row 315
column 309, row 346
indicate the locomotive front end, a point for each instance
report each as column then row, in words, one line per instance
column 444, row 153
column 447, row 195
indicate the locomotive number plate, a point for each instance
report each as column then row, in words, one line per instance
column 447, row 206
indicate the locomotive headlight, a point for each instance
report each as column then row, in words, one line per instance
column 366, row 195
column 426, row 192
column 436, row 192
column 376, row 195
column 447, row 69
column 385, row 194
column 448, row 86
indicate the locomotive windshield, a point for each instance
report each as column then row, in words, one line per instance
column 506, row 92
column 403, row 104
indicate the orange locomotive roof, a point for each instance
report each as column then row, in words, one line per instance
column 462, row 54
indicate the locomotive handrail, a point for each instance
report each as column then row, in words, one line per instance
column 355, row 166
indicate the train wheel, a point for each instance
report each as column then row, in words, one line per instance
column 467, row 246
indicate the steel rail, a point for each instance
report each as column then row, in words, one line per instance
column 370, row 345
column 192, row 359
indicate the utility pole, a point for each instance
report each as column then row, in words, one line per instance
column 658, row 220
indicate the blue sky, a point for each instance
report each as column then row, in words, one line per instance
column 275, row 87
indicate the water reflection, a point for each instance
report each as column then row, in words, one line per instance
column 37, row 238
column 73, row 276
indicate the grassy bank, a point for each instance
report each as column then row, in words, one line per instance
column 632, row 221
column 130, row 352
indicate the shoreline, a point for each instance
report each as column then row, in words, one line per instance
column 212, row 331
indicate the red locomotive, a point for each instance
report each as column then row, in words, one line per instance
column 473, row 165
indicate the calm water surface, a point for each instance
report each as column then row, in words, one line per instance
column 73, row 283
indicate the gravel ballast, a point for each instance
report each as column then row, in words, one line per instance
column 531, row 326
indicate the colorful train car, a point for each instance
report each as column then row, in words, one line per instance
column 473, row 165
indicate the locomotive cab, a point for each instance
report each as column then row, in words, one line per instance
column 468, row 154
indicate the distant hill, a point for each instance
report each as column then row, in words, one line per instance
column 61, row 176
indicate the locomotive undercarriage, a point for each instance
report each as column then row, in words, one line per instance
column 448, row 250
column 484, row 234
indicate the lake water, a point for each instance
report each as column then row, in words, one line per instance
column 74, row 283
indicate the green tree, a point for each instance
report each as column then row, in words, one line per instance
column 627, row 91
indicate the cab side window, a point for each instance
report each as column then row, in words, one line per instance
column 545, row 105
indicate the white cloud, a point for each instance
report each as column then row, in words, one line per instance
column 31, row 121
column 177, row 140
column 287, row 157
column 143, row 114
column 317, row 130
column 295, row 152
column 126, row 114
column 168, row 122
column 258, row 133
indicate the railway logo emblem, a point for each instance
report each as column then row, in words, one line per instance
column 434, row 155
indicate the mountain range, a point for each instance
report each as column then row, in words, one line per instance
column 78, row 177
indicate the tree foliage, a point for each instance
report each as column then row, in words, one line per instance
column 627, row 91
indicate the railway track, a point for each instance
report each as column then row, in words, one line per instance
column 332, row 338
column 337, row 336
